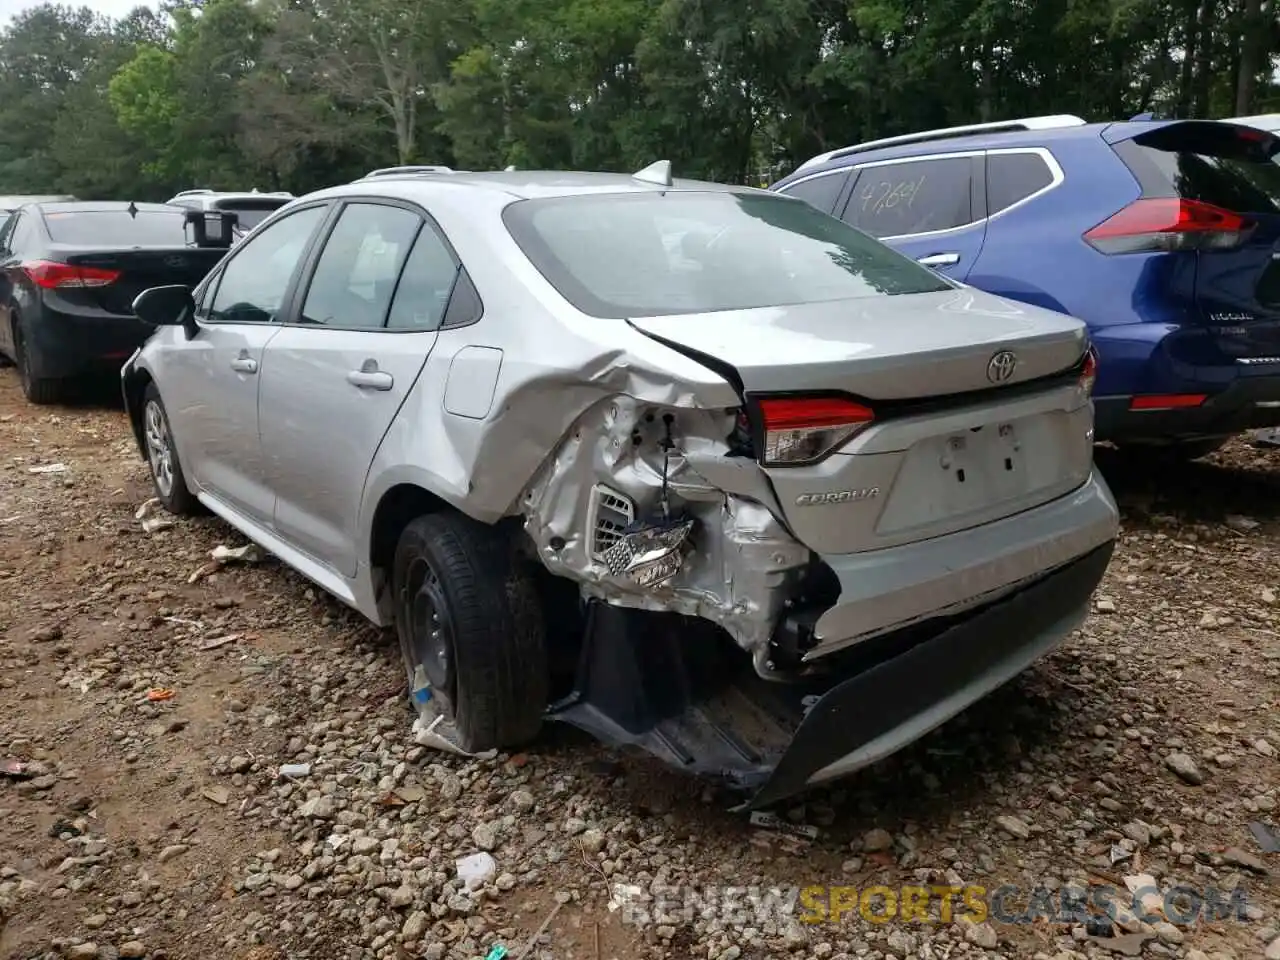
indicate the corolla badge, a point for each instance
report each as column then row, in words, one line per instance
column 1000, row 367
column 837, row 496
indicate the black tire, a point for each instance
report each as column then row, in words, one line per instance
column 167, row 478
column 40, row 390
column 488, row 663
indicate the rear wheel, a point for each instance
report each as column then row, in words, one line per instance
column 470, row 623
column 162, row 457
column 41, row 390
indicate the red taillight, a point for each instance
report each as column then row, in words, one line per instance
column 1167, row 401
column 1169, row 223
column 1089, row 372
column 799, row 430
column 63, row 276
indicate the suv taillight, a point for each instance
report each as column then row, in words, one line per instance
column 1156, row 224
column 800, row 430
column 63, row 276
column 1089, row 372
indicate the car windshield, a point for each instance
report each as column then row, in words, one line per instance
column 117, row 228
column 650, row 254
column 249, row 215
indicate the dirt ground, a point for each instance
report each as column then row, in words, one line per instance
column 144, row 718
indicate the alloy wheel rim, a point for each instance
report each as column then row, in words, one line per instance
column 159, row 448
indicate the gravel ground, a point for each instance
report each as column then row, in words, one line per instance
column 152, row 716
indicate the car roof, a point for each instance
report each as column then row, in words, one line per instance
column 979, row 140
column 529, row 184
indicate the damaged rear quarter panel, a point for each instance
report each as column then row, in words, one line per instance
column 557, row 363
column 741, row 565
column 569, row 391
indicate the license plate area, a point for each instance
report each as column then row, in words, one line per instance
column 979, row 473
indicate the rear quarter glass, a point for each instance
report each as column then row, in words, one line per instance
column 1230, row 167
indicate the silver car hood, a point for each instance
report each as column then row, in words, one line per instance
column 884, row 348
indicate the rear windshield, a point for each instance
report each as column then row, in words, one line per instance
column 248, row 213
column 649, row 254
column 116, row 228
column 1229, row 166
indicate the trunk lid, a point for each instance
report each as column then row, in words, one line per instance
column 879, row 348
column 138, row 269
column 1234, row 281
column 952, row 444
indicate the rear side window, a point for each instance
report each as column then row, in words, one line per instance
column 898, row 199
column 1225, row 165
column 821, row 191
column 1012, row 177
column 116, row 228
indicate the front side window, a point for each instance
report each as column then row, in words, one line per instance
column 649, row 254
column 898, row 199
column 257, row 276
column 356, row 274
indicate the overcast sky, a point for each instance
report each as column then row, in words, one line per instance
column 112, row 8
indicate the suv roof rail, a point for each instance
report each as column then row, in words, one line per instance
column 193, row 193
column 413, row 168
column 1049, row 122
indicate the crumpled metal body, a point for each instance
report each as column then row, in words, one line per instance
column 741, row 564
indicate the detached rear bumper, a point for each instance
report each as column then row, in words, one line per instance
column 882, row 710
column 649, row 681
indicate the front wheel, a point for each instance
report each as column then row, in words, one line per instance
column 471, row 626
column 162, row 457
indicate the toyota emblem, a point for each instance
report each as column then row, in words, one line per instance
column 1000, row 367
column 175, row 261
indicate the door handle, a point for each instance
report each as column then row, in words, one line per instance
column 244, row 365
column 939, row 260
column 371, row 379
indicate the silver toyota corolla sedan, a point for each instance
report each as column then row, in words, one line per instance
column 696, row 468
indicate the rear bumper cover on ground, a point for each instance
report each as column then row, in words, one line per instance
column 643, row 682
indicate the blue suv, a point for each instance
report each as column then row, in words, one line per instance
column 1163, row 236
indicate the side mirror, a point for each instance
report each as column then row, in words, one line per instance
column 170, row 306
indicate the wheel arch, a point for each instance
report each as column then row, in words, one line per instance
column 396, row 506
column 135, row 386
